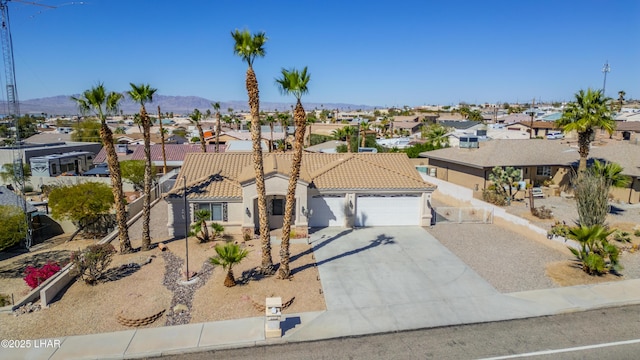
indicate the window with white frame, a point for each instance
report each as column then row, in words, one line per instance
column 218, row 211
column 543, row 171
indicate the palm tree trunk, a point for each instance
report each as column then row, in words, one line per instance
column 229, row 280
column 203, row 146
column 299, row 115
column 218, row 128
column 348, row 143
column 164, row 155
column 256, row 136
column 116, row 187
column 271, row 140
column 146, row 202
column 584, row 139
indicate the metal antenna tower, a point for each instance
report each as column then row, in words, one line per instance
column 605, row 69
column 13, row 106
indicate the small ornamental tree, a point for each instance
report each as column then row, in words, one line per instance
column 13, row 225
column 35, row 276
column 91, row 263
column 83, row 203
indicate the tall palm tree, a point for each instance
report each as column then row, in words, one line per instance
column 163, row 131
column 142, row 94
column 348, row 133
column 621, row 95
column 196, row 116
column 364, row 127
column 283, row 117
column 216, row 107
column 589, row 111
column 292, row 82
column 271, row 120
column 249, row 47
column 101, row 103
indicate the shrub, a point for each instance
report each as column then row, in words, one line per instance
column 637, row 233
column 218, row 230
column 492, row 197
column 542, row 212
column 595, row 253
column 5, row 300
column 559, row 229
column 621, row 236
column 592, row 195
column 92, row 262
column 35, row 276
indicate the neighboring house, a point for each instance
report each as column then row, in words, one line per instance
column 627, row 130
column 539, row 160
column 540, row 128
column 175, row 154
column 8, row 197
column 326, row 147
column 334, row 190
column 28, row 150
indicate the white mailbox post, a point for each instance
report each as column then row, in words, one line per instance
column 273, row 314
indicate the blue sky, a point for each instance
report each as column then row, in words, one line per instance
column 378, row 53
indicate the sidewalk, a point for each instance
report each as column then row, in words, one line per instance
column 334, row 323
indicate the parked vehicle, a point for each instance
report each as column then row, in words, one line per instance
column 537, row 192
column 553, row 135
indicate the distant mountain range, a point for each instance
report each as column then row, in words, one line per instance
column 63, row 105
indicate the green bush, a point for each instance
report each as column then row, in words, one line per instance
column 91, row 263
column 636, row 233
column 621, row 236
column 5, row 300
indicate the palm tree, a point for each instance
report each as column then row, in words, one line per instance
column 348, row 132
column 248, row 47
column 621, row 95
column 612, row 173
column 589, row 111
column 271, row 120
column 364, row 127
column 284, row 124
column 101, row 103
column 228, row 255
column 199, row 227
column 142, row 94
column 595, row 253
column 216, row 107
column 436, row 135
column 196, row 116
column 163, row 131
column 292, row 82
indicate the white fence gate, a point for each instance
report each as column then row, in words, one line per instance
column 474, row 215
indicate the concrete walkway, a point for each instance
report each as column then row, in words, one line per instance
column 375, row 280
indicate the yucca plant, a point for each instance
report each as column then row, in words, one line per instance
column 228, row 255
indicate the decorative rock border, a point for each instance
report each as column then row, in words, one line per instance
column 139, row 322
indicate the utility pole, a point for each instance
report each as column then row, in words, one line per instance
column 533, row 112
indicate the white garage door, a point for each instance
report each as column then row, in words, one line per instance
column 387, row 210
column 326, row 211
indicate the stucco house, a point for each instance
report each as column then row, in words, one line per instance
column 341, row 190
column 539, row 160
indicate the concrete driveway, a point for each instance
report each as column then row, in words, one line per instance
column 386, row 266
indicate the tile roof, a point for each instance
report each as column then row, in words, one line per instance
column 221, row 175
column 628, row 126
column 8, row 197
column 509, row 152
column 174, row 152
column 538, row 124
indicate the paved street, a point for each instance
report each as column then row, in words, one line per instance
column 558, row 336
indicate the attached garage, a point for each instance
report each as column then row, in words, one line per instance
column 389, row 210
column 326, row 210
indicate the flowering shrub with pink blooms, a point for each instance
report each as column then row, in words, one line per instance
column 35, row 276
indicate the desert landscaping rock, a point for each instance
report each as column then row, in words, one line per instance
column 182, row 294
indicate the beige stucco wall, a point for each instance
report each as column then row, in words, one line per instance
column 274, row 185
column 458, row 174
